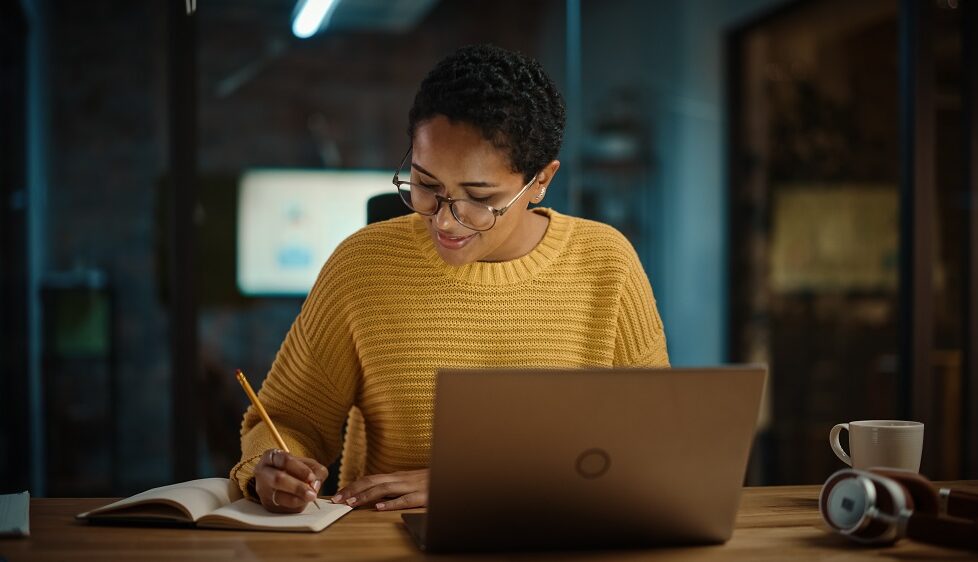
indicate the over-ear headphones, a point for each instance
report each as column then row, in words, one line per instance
column 881, row 505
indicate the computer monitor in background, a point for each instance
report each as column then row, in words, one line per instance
column 290, row 221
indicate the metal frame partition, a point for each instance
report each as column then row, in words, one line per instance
column 969, row 73
column 182, row 131
column 918, row 393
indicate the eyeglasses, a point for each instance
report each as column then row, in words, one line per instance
column 423, row 199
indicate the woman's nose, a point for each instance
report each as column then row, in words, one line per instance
column 443, row 218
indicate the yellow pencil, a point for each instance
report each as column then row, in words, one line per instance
column 264, row 415
column 261, row 410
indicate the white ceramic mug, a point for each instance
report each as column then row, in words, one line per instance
column 885, row 443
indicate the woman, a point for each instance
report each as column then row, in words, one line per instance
column 473, row 278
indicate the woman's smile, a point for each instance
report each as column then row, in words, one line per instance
column 452, row 241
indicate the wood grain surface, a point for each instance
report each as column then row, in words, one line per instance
column 774, row 523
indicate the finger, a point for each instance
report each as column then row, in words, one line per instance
column 319, row 471
column 362, row 484
column 275, row 479
column 285, row 501
column 414, row 499
column 272, row 458
column 381, row 491
column 264, row 460
column 277, row 459
column 294, row 466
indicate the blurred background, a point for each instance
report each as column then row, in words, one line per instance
column 799, row 179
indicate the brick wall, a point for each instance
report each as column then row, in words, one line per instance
column 106, row 155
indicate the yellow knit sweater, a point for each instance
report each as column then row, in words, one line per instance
column 386, row 312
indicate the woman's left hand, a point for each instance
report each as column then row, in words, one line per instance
column 397, row 490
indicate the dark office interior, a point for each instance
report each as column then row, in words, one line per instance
column 798, row 178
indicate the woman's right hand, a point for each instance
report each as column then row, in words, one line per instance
column 286, row 484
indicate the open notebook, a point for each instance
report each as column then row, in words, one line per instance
column 212, row 503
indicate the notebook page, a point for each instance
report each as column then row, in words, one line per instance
column 246, row 514
column 196, row 497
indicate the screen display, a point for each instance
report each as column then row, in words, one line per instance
column 290, row 221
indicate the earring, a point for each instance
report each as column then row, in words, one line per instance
column 543, row 191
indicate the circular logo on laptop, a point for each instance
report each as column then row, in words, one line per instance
column 593, row 463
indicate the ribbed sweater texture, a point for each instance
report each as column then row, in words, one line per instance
column 386, row 312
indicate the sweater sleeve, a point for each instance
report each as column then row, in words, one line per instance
column 311, row 386
column 640, row 339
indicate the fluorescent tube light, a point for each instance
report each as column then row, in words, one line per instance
column 311, row 16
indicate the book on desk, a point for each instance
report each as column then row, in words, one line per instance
column 214, row 503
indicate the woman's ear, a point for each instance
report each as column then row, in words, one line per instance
column 544, row 177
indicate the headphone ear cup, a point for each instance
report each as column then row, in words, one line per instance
column 862, row 506
column 881, row 505
column 854, row 505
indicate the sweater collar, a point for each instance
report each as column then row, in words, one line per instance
column 506, row 272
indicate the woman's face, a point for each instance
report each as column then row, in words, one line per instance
column 458, row 162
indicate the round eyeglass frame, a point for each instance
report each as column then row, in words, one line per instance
column 440, row 199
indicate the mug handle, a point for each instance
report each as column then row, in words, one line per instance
column 836, row 445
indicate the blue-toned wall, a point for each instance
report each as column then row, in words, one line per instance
column 673, row 51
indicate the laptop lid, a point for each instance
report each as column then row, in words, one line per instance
column 526, row 459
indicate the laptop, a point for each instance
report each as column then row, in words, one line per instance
column 587, row 458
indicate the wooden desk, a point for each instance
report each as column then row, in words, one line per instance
column 774, row 523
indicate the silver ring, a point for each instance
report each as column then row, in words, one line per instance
column 275, row 452
column 273, row 498
column 943, row 498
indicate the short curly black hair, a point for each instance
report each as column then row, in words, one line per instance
column 506, row 95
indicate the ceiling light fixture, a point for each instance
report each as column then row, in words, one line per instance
column 310, row 16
